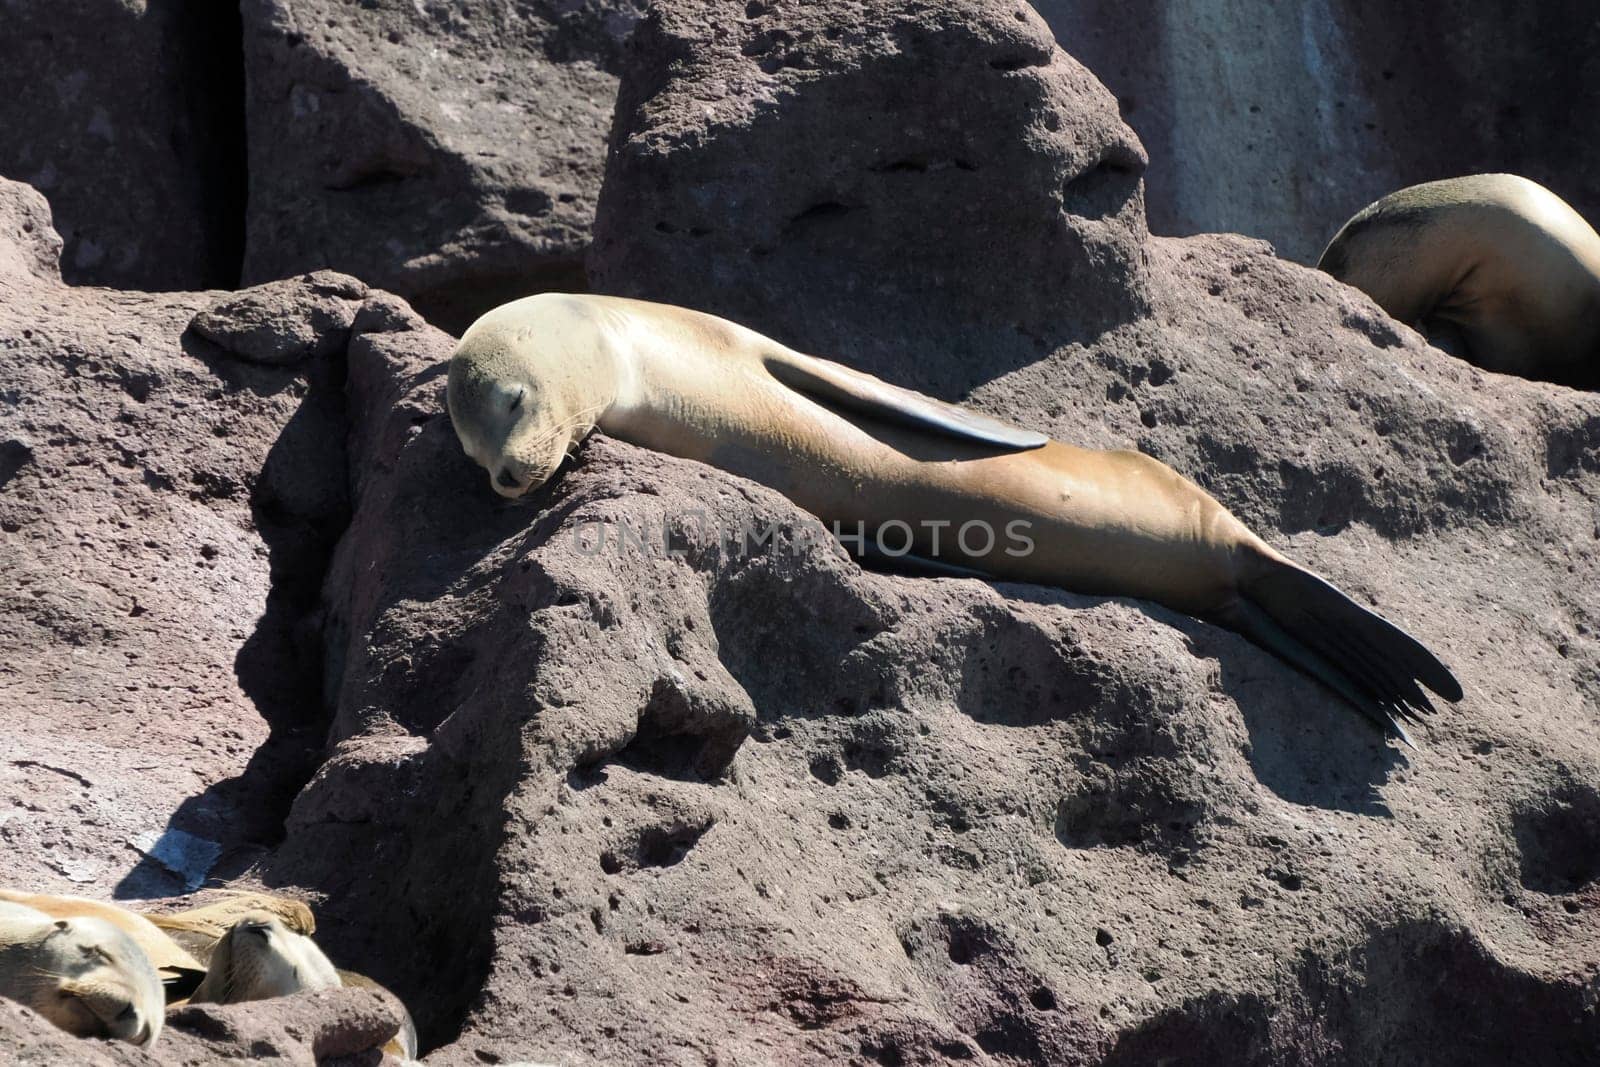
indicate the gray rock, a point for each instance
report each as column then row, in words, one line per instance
column 127, row 116
column 449, row 152
column 1282, row 120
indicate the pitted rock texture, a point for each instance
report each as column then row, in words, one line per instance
column 332, row 1028
column 166, row 512
column 677, row 797
column 964, row 125
column 449, row 152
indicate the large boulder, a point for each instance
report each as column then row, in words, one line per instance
column 126, row 115
column 167, row 507
column 1282, row 120
column 643, row 795
column 449, row 152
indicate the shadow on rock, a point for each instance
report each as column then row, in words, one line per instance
column 299, row 506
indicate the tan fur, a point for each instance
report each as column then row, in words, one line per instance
column 1493, row 268
column 259, row 958
column 170, row 958
column 82, row 973
column 245, row 966
column 532, row 378
column 199, row 929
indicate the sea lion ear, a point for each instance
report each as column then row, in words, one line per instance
column 62, row 924
column 843, row 387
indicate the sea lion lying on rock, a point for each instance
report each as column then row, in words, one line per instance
column 1492, row 268
column 531, row 378
column 82, row 973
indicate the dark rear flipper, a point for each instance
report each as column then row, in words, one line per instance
column 1368, row 660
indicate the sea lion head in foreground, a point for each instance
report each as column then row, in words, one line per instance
column 83, row 974
column 259, row 958
column 1492, row 268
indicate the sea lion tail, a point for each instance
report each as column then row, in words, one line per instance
column 1362, row 656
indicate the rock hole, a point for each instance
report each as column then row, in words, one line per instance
column 817, row 215
column 1105, row 187
column 667, row 846
column 1558, row 840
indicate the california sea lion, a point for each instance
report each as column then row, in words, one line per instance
column 179, row 971
column 1493, row 268
column 531, row 378
column 83, row 974
column 261, row 956
column 199, row 929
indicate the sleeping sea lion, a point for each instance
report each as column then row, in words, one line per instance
column 1492, row 268
column 82, row 973
column 531, row 378
column 179, row 971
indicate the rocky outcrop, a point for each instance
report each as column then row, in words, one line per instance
column 703, row 802
column 129, row 117
column 166, row 511
column 639, row 769
column 1283, row 120
column 308, row 1030
column 449, row 152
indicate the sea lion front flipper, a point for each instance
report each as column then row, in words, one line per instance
column 1362, row 656
column 866, row 395
column 179, row 983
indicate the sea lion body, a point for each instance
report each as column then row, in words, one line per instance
column 260, row 958
column 171, row 961
column 199, row 929
column 1493, row 268
column 531, row 378
column 85, row 975
column 258, row 946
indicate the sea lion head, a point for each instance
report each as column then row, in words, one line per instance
column 84, row 975
column 258, row 958
column 524, row 388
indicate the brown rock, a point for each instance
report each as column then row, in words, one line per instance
column 282, row 323
column 966, row 127
column 1283, row 120
column 450, row 153
column 166, row 512
column 966, row 821
column 126, row 115
column 676, row 800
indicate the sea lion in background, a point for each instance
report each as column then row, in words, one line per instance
column 199, row 929
column 260, row 956
column 179, row 971
column 83, row 974
column 1493, row 268
column 531, row 378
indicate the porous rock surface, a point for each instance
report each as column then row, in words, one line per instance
column 331, row 1028
column 665, row 797
column 450, row 152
